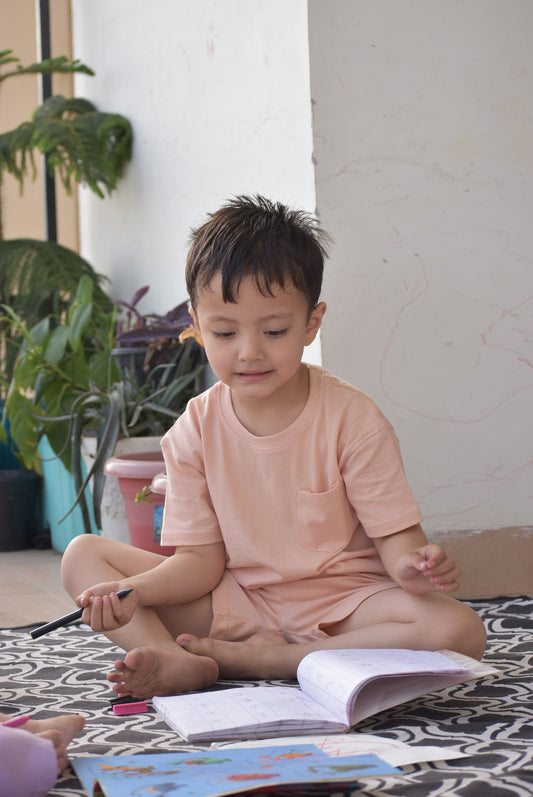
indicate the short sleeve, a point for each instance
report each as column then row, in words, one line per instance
column 188, row 516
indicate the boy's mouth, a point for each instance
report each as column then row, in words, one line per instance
column 253, row 376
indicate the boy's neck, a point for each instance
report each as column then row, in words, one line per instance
column 266, row 417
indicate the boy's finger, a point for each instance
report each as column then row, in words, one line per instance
column 97, row 608
column 84, row 599
column 448, row 587
column 86, row 616
column 117, row 605
column 435, row 555
column 111, row 614
column 447, row 568
column 450, row 577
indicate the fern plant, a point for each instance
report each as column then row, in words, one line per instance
column 81, row 145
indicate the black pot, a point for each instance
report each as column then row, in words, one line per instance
column 20, row 509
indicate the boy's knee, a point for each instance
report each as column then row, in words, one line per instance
column 453, row 625
column 76, row 556
column 478, row 636
column 468, row 633
column 80, row 546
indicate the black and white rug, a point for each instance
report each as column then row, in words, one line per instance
column 489, row 720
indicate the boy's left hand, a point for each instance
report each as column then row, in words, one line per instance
column 427, row 569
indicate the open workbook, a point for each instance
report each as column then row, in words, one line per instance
column 338, row 689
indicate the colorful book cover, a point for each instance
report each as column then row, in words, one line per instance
column 200, row 773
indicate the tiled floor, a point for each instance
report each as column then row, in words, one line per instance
column 30, row 588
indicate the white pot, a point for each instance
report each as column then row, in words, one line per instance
column 113, row 509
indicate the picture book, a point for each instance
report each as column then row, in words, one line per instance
column 338, row 689
column 198, row 773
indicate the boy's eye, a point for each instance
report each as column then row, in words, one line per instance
column 222, row 334
column 276, row 333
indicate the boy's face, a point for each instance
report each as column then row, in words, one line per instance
column 255, row 345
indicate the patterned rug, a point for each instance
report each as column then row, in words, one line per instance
column 489, row 720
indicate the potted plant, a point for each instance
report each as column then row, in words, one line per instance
column 143, row 506
column 160, row 368
column 80, row 144
column 67, row 384
column 59, row 360
column 39, row 278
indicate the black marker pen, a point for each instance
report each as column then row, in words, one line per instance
column 68, row 618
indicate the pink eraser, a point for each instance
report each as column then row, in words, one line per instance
column 130, row 708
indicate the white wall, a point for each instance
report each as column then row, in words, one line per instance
column 218, row 96
column 423, row 140
column 423, row 125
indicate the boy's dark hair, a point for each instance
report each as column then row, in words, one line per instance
column 254, row 237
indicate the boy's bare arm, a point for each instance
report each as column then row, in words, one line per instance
column 416, row 565
column 190, row 573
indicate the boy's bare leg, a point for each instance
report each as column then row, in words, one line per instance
column 154, row 663
column 390, row 619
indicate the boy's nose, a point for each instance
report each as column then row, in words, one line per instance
column 250, row 350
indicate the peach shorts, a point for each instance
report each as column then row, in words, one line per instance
column 299, row 610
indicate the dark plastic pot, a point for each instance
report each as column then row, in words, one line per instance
column 20, row 509
column 8, row 460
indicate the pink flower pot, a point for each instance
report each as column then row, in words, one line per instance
column 134, row 472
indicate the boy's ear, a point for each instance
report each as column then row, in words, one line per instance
column 194, row 318
column 314, row 322
column 193, row 331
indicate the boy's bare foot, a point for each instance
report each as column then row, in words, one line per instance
column 165, row 670
column 264, row 655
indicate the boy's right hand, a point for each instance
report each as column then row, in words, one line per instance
column 103, row 610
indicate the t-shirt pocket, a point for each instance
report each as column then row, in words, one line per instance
column 325, row 520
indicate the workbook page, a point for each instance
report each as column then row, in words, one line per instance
column 247, row 712
column 334, row 678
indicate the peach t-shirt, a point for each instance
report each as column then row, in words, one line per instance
column 302, row 502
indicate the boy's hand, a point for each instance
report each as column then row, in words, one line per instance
column 427, row 569
column 103, row 609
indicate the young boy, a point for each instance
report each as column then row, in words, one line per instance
column 294, row 526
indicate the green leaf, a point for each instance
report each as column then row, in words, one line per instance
column 24, row 427
column 59, row 64
column 39, row 383
column 38, row 335
column 58, row 434
column 78, row 370
column 103, row 369
column 40, row 278
column 82, row 144
column 79, row 321
column 56, row 345
column 84, row 291
column 108, row 434
column 76, row 464
column 25, row 373
column 6, row 57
